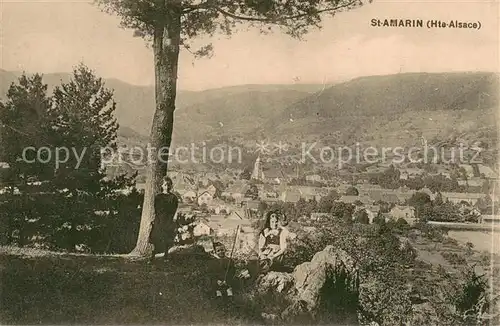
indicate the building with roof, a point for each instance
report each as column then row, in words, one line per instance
column 342, row 188
column 321, row 192
column 365, row 200
column 205, row 198
column 201, row 229
column 403, row 197
column 236, row 191
column 275, row 176
column 487, row 171
column 371, row 211
column 365, row 187
column 385, row 196
column 290, row 196
column 428, row 192
column 459, row 197
column 306, row 192
column 271, row 201
column 212, row 190
column 219, row 207
column 252, row 204
column 404, row 212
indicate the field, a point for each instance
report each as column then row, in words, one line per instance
column 451, row 251
column 482, row 240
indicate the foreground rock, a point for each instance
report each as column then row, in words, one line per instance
column 275, row 281
column 303, row 286
column 310, row 277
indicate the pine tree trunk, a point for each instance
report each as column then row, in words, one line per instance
column 166, row 54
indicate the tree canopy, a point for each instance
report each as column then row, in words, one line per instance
column 61, row 199
column 209, row 17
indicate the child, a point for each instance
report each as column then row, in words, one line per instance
column 222, row 288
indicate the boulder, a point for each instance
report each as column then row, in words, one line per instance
column 275, row 281
column 310, row 277
column 302, row 287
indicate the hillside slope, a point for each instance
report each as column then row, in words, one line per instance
column 233, row 114
column 393, row 110
column 400, row 93
column 198, row 114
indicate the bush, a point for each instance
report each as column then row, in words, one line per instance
column 466, row 299
column 401, row 226
column 431, row 232
column 58, row 222
column 338, row 299
column 362, row 217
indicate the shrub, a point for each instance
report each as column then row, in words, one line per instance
column 58, row 222
column 401, row 226
column 338, row 299
column 362, row 217
column 431, row 232
column 466, row 299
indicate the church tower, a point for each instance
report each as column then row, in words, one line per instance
column 257, row 173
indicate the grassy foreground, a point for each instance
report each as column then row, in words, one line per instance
column 72, row 289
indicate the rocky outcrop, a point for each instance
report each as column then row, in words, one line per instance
column 303, row 286
column 310, row 277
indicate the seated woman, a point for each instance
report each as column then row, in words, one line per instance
column 272, row 240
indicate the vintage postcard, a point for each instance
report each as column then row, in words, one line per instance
column 241, row 162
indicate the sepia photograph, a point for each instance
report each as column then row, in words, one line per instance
column 249, row 162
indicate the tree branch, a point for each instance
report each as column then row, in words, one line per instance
column 280, row 19
column 201, row 6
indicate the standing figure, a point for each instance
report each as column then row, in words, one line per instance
column 272, row 240
column 163, row 233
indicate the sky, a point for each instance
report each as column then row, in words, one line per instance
column 54, row 36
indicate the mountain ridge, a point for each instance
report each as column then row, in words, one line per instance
column 365, row 108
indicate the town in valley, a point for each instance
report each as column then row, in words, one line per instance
column 254, row 162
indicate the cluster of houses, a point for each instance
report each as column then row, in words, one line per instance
column 227, row 201
column 235, row 198
column 404, row 212
column 475, row 174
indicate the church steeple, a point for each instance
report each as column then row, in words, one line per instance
column 257, row 173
